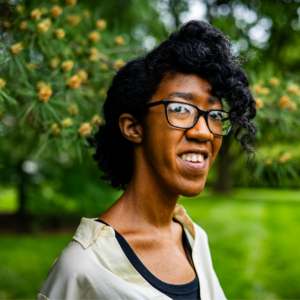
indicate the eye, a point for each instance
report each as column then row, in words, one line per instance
column 216, row 116
column 179, row 109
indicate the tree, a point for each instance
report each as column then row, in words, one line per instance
column 55, row 64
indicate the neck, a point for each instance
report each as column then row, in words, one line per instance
column 147, row 203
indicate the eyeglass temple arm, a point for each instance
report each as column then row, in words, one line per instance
column 154, row 103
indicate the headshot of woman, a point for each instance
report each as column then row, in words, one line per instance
column 164, row 125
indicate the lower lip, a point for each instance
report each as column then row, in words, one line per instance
column 197, row 166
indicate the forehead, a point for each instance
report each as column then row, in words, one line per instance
column 185, row 83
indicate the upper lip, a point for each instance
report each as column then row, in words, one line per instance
column 196, row 151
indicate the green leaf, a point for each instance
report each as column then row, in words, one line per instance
column 8, row 98
column 28, row 110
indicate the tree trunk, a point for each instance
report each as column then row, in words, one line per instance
column 223, row 183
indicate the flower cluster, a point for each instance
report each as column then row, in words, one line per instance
column 2, row 83
column 101, row 24
column 56, row 11
column 59, row 33
column 16, row 48
column 43, row 26
column 73, row 20
column 45, row 93
column 85, row 129
column 74, row 82
column 67, row 65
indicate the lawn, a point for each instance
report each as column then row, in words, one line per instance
column 253, row 236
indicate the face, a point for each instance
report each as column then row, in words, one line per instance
column 181, row 158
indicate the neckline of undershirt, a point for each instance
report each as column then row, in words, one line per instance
column 181, row 289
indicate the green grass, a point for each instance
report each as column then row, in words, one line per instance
column 253, row 236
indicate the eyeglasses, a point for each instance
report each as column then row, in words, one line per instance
column 184, row 115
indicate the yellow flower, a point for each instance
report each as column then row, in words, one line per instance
column 70, row 3
column 73, row 110
column 264, row 91
column 284, row 101
column 104, row 67
column 45, row 93
column 293, row 89
column 292, row 106
column 83, row 75
column 6, row 24
column 84, row 129
column 54, row 63
column 284, row 157
column 257, row 88
column 102, row 92
column 19, row 9
column 2, row 83
column 54, row 129
column 268, row 161
column 32, row 65
column 259, row 103
column 101, row 24
column 36, row 14
column 94, row 36
column 119, row 63
column 94, row 54
column 16, row 48
column 23, row 25
column 56, row 11
column 79, row 50
column 67, row 65
column 96, row 120
column 40, row 85
column 59, row 33
column 119, row 41
column 73, row 20
column 1, row 113
column 67, row 122
column 74, row 82
column 87, row 13
column 274, row 81
column 43, row 26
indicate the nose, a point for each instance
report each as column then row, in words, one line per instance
column 200, row 131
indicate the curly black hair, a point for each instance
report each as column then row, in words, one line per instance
column 197, row 47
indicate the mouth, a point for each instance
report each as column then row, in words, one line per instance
column 194, row 161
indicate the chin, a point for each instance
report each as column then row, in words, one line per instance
column 191, row 190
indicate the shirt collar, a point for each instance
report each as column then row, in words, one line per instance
column 88, row 229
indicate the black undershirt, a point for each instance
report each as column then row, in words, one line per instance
column 187, row 291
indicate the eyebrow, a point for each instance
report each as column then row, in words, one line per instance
column 188, row 96
column 214, row 100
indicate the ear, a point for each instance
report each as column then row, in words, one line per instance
column 131, row 128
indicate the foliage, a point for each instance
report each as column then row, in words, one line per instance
column 277, row 101
column 56, row 64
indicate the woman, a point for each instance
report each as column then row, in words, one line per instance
column 164, row 127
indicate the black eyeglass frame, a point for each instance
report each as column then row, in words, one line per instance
column 199, row 111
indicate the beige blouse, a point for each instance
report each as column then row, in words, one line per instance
column 94, row 266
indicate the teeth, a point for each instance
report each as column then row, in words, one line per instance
column 193, row 157
column 200, row 158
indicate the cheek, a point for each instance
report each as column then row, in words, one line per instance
column 216, row 145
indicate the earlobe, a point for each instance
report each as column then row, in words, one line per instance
column 130, row 128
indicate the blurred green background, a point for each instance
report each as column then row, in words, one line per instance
column 48, row 180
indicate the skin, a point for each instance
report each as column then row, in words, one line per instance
column 143, row 214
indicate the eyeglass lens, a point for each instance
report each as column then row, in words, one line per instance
column 184, row 116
